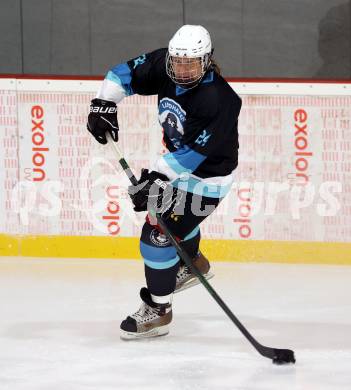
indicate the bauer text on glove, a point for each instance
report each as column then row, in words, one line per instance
column 102, row 119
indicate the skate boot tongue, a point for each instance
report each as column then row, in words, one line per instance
column 146, row 297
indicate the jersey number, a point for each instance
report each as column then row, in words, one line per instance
column 203, row 138
column 140, row 60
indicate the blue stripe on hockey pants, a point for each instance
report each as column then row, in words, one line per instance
column 161, row 259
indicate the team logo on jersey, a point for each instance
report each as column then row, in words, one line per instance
column 172, row 118
column 158, row 238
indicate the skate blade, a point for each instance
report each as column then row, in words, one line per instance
column 156, row 332
column 193, row 282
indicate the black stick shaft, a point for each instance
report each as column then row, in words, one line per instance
column 128, row 171
column 125, row 166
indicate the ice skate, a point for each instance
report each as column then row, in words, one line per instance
column 151, row 320
column 186, row 279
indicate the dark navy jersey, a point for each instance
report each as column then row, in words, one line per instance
column 200, row 125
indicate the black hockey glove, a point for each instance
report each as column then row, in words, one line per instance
column 103, row 118
column 154, row 192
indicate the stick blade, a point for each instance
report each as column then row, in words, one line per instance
column 283, row 356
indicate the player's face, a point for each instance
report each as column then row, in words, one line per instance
column 186, row 70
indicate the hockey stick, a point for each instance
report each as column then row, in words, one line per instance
column 123, row 162
column 278, row 356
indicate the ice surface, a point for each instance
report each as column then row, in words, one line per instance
column 59, row 328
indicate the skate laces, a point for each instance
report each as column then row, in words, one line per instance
column 183, row 272
column 145, row 312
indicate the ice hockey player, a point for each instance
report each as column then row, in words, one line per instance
column 198, row 111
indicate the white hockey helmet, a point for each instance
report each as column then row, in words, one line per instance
column 189, row 55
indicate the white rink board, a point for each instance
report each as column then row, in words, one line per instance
column 87, row 197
